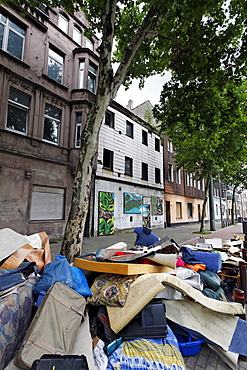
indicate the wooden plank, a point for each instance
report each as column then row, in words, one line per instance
column 119, row 268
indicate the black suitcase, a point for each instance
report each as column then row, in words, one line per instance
column 61, row 362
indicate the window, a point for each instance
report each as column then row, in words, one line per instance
column 109, row 118
column 190, row 210
column 170, row 172
column 78, row 130
column 178, row 176
column 63, row 23
column 169, row 145
column 128, row 166
column 187, row 179
column 178, row 210
column 47, row 203
column 55, row 66
column 18, row 111
column 81, row 74
column 108, row 159
column 199, row 185
column 51, row 124
column 157, row 176
column 89, row 44
column 144, row 171
column 129, row 129
column 144, row 137
column 77, row 35
column 157, row 144
column 12, row 37
column 92, row 72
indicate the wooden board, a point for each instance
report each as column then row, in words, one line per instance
column 119, row 268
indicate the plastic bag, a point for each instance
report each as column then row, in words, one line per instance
column 57, row 270
column 80, row 281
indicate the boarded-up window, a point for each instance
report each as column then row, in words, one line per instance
column 47, row 203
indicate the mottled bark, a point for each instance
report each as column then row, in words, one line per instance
column 204, row 206
column 108, row 85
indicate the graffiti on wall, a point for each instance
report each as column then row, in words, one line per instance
column 132, row 203
column 106, row 213
column 157, row 205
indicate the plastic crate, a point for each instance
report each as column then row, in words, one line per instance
column 188, row 346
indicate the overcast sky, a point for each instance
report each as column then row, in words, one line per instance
column 151, row 91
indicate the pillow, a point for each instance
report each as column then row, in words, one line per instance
column 111, row 289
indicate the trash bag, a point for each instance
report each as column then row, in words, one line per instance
column 57, row 270
column 211, row 279
column 80, row 281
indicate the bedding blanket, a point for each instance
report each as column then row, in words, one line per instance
column 142, row 354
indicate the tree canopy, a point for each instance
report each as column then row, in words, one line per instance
column 144, row 38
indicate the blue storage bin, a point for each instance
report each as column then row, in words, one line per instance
column 188, row 346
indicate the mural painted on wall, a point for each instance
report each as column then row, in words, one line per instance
column 132, row 203
column 157, row 205
column 106, row 213
column 146, row 215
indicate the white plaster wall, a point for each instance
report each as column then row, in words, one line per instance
column 122, row 221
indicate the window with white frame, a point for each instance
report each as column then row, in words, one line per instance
column 55, row 66
column 178, row 176
column 92, row 74
column 89, row 44
column 78, row 130
column 169, row 146
column 12, row 37
column 199, row 185
column 18, row 111
column 51, row 124
column 77, row 35
column 63, row 23
column 81, row 74
column 170, row 172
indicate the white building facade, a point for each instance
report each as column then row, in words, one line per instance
column 129, row 189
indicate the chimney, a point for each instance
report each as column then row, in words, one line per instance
column 130, row 104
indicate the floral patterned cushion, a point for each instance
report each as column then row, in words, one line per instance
column 111, row 289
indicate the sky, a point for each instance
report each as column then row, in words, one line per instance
column 151, row 91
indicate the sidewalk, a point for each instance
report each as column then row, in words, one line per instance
column 207, row 359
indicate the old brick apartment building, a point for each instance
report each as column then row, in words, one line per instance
column 48, row 79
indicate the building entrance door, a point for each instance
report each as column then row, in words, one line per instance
column 168, row 213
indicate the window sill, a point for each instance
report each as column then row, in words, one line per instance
column 54, row 82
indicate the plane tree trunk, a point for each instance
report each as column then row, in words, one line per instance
column 108, row 85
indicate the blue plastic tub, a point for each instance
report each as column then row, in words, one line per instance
column 188, row 346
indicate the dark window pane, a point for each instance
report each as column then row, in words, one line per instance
column 17, row 119
column 15, row 45
column 144, row 171
column 51, row 130
column 128, row 166
column 16, row 28
column 108, row 159
column 1, row 35
column 129, row 129
column 55, row 70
